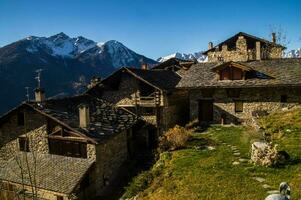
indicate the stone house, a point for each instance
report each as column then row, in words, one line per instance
column 243, row 47
column 78, row 144
column 63, row 148
column 150, row 94
column 244, row 76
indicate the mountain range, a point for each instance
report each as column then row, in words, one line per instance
column 198, row 56
column 68, row 64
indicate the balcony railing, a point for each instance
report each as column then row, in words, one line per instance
column 150, row 100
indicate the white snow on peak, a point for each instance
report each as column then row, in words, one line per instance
column 191, row 56
column 294, row 53
column 61, row 45
column 119, row 53
column 100, row 44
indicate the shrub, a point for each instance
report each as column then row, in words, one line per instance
column 174, row 138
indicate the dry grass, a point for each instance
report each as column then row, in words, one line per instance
column 174, row 138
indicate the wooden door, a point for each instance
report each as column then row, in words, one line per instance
column 205, row 111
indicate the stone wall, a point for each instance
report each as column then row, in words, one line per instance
column 110, row 156
column 34, row 127
column 243, row 53
column 42, row 194
column 126, row 92
column 175, row 110
column 10, row 130
column 254, row 99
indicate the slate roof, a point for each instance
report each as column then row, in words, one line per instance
column 161, row 79
column 232, row 40
column 174, row 63
column 105, row 119
column 271, row 73
column 55, row 173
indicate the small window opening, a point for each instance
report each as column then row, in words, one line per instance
column 24, row 144
column 283, row 98
column 59, row 198
column 238, row 106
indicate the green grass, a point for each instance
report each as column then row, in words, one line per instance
column 202, row 174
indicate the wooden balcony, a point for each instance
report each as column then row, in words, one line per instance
column 150, row 100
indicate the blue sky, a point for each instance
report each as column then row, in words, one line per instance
column 151, row 27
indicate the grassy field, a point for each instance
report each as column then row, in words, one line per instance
column 199, row 173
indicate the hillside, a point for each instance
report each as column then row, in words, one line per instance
column 214, row 165
column 68, row 65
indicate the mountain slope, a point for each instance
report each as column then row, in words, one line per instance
column 191, row 56
column 68, row 64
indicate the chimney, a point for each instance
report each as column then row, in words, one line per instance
column 258, row 51
column 274, row 37
column 210, row 45
column 144, row 66
column 94, row 81
column 224, row 47
column 39, row 95
column 84, row 116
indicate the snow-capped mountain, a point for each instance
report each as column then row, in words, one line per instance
column 60, row 45
column 295, row 53
column 190, row 56
column 68, row 65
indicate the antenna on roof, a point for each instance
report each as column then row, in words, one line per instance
column 27, row 93
column 38, row 77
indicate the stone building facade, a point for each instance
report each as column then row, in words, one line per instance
column 243, row 47
column 53, row 131
column 245, row 76
column 252, row 101
column 151, row 94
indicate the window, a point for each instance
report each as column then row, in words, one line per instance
column 59, row 198
column 225, row 74
column 238, row 106
column 237, row 74
column 67, row 148
column 231, row 73
column 283, row 98
column 24, row 144
column 20, row 119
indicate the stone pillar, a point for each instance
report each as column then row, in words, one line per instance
column 241, row 44
column 274, row 37
column 84, row 116
column 258, row 51
column 224, row 47
column 144, row 66
column 39, row 95
column 210, row 45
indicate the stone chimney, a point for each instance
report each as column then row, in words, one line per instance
column 210, row 45
column 84, row 116
column 94, row 81
column 39, row 95
column 144, row 66
column 258, row 51
column 274, row 37
column 224, row 47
